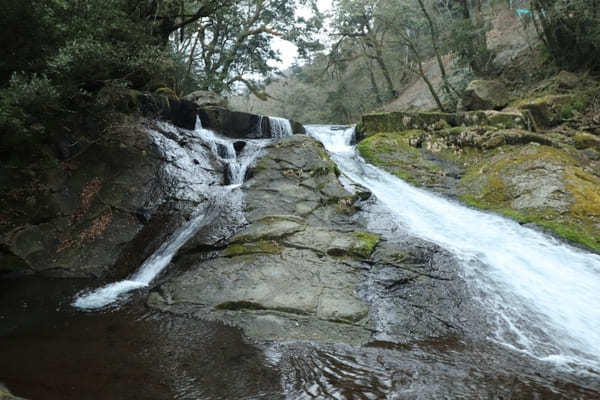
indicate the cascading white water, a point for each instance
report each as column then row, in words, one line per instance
column 186, row 162
column 280, row 127
column 543, row 295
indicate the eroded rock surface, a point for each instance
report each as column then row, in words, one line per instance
column 293, row 272
column 305, row 265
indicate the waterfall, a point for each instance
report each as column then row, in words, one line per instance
column 542, row 294
column 280, row 127
column 188, row 162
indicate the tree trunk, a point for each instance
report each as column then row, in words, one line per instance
column 386, row 74
column 450, row 91
column 374, row 86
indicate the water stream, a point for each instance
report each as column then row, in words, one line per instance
column 543, row 295
column 187, row 156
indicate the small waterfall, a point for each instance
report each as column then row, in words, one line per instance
column 543, row 295
column 188, row 161
column 148, row 271
column 280, row 127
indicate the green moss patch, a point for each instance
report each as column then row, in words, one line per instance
column 486, row 185
column 393, row 152
column 366, row 243
column 260, row 247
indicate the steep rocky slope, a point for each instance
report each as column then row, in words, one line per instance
column 100, row 203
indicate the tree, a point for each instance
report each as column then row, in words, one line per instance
column 570, row 31
column 232, row 46
column 359, row 33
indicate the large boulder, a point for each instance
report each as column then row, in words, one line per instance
column 296, row 271
column 485, row 95
column 567, row 80
column 293, row 272
column 204, row 98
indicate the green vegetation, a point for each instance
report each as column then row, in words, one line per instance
column 70, row 66
column 393, row 152
column 260, row 247
column 366, row 244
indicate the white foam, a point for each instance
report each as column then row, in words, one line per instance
column 546, row 293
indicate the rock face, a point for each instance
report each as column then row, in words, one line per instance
column 295, row 272
column 435, row 121
column 102, row 213
column 552, row 180
column 485, row 95
column 101, row 208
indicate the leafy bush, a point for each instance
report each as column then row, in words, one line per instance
column 570, row 31
column 24, row 99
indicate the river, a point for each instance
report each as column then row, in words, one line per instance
column 540, row 339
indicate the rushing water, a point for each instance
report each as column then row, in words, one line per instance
column 186, row 164
column 544, row 294
column 54, row 351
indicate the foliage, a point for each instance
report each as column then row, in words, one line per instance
column 25, row 98
column 571, row 31
column 232, row 46
column 67, row 57
column 468, row 41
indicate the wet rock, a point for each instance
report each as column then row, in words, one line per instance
column 293, row 272
column 222, row 150
column 485, row 95
column 417, row 291
column 87, row 216
column 239, row 146
column 143, row 214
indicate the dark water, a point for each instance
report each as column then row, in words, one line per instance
column 50, row 351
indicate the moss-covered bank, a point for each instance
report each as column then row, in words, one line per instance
column 550, row 178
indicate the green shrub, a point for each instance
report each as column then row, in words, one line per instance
column 24, row 99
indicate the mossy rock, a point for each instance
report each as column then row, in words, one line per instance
column 259, row 247
column 583, row 140
column 547, row 111
column 394, row 153
column 433, row 121
column 366, row 243
column 402, row 121
column 541, row 185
